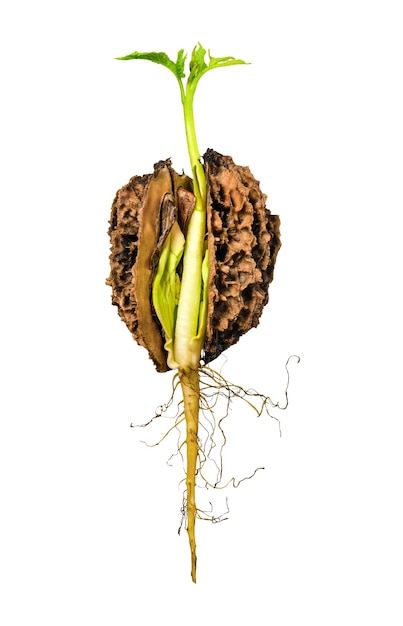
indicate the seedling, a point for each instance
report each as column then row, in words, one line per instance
column 191, row 262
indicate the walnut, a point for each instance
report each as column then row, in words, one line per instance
column 243, row 242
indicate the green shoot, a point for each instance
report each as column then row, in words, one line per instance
column 184, row 342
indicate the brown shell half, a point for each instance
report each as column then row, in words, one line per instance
column 243, row 239
column 142, row 215
column 243, row 242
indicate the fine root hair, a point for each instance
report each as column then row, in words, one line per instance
column 218, row 398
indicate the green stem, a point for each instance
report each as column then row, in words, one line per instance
column 193, row 149
column 186, row 351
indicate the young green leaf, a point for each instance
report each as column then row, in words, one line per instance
column 158, row 57
column 198, row 66
column 180, row 64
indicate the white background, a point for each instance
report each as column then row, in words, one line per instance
column 88, row 514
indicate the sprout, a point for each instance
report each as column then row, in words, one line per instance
column 191, row 260
column 186, row 307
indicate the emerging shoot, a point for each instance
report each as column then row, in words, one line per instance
column 192, row 259
column 187, row 307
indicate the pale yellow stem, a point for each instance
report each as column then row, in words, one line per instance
column 189, row 379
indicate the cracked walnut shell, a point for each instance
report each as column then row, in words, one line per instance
column 243, row 242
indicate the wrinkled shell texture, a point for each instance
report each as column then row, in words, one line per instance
column 124, row 235
column 123, row 232
column 243, row 242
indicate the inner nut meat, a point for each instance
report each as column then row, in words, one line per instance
column 243, row 241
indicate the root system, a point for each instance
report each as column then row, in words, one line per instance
column 200, row 443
